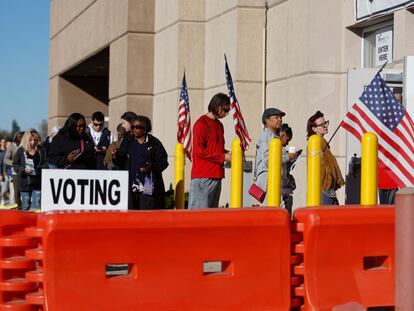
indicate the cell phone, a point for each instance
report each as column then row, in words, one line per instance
column 77, row 153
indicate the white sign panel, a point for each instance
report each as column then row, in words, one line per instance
column 383, row 46
column 84, row 190
column 366, row 8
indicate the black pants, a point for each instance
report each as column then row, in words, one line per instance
column 142, row 201
column 16, row 187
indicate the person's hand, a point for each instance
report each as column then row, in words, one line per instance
column 293, row 156
column 227, row 156
column 114, row 152
column 27, row 171
column 146, row 168
column 100, row 149
column 73, row 155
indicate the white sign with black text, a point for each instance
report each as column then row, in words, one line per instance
column 383, row 46
column 84, row 190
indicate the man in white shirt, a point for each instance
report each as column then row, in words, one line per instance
column 100, row 136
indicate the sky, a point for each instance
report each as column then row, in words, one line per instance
column 24, row 62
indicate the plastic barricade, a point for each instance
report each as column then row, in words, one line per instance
column 13, row 263
column 346, row 254
column 218, row 259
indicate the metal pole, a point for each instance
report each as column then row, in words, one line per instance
column 369, row 169
column 236, row 195
column 404, row 251
column 313, row 195
column 179, row 176
column 274, row 185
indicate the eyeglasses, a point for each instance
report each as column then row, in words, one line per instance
column 323, row 124
column 97, row 124
column 137, row 127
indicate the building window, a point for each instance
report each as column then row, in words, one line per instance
column 378, row 44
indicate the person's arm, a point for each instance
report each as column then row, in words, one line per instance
column 160, row 162
column 201, row 132
column 19, row 164
column 8, row 159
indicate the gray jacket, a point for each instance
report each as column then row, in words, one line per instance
column 262, row 157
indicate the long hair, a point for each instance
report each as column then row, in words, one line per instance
column 218, row 100
column 29, row 134
column 71, row 123
column 311, row 123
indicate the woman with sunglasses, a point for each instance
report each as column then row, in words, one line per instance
column 331, row 176
column 72, row 148
column 28, row 162
column 145, row 158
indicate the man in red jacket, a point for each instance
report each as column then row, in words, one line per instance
column 209, row 155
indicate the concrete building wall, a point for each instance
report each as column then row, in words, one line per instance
column 310, row 46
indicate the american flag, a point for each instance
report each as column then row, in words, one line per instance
column 184, row 120
column 379, row 112
column 239, row 125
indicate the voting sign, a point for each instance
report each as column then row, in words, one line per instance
column 84, row 190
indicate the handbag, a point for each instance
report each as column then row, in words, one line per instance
column 256, row 192
column 148, row 185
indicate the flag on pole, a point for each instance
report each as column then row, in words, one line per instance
column 184, row 120
column 239, row 125
column 379, row 112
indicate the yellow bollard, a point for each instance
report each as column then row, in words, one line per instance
column 274, row 185
column 313, row 195
column 236, row 196
column 179, row 176
column 369, row 169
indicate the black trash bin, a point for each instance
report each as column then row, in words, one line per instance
column 353, row 181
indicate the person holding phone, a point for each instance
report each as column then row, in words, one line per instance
column 145, row 158
column 72, row 148
column 101, row 137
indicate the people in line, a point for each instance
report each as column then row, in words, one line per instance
column 3, row 175
column 209, row 155
column 331, row 176
column 101, row 137
column 288, row 158
column 8, row 164
column 272, row 121
column 145, row 158
column 72, row 148
column 28, row 162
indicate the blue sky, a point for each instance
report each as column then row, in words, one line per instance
column 24, row 62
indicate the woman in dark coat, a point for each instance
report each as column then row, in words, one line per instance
column 145, row 158
column 28, row 162
column 71, row 148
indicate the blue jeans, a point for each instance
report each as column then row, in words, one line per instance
column 30, row 200
column 329, row 199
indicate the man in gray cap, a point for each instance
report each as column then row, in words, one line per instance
column 272, row 121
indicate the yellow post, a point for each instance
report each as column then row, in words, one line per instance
column 369, row 170
column 313, row 195
column 274, row 185
column 179, row 176
column 236, row 196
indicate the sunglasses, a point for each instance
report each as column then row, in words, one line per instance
column 137, row 127
column 226, row 110
column 323, row 124
column 97, row 124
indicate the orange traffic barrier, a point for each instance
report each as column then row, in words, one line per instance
column 343, row 255
column 221, row 259
column 13, row 263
